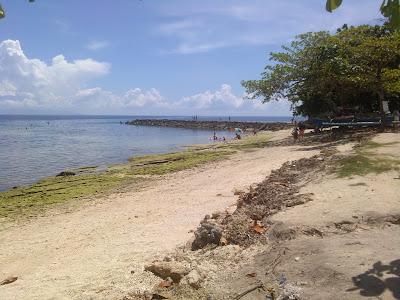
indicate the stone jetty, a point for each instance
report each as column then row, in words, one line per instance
column 210, row 125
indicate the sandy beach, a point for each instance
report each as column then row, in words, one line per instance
column 91, row 252
column 98, row 251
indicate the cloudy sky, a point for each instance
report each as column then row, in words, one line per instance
column 154, row 57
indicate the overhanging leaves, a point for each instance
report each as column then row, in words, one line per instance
column 391, row 10
column 2, row 14
column 331, row 5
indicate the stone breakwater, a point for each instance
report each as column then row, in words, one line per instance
column 211, row 125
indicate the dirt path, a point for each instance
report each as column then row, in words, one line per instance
column 90, row 253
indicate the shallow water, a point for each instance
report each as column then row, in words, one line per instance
column 34, row 147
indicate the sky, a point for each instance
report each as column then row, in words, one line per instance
column 151, row 57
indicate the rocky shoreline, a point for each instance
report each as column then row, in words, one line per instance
column 211, row 125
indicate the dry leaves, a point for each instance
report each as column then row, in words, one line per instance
column 259, row 228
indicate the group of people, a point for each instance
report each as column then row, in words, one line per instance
column 215, row 138
column 298, row 130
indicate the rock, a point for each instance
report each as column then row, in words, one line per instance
column 223, row 241
column 164, row 269
column 280, row 231
column 209, row 232
column 193, row 279
column 211, row 125
column 290, row 292
column 215, row 215
column 66, row 173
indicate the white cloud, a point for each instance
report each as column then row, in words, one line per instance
column 37, row 84
column 30, row 85
column 97, row 45
column 224, row 101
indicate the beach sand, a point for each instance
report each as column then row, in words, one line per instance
column 92, row 251
column 342, row 243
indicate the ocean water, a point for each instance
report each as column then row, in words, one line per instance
column 34, row 147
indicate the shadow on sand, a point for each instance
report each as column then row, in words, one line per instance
column 380, row 278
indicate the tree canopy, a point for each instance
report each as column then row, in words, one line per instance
column 322, row 74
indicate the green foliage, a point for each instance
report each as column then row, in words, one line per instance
column 322, row 73
column 391, row 10
column 331, row 5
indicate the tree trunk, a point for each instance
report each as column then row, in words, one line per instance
column 381, row 96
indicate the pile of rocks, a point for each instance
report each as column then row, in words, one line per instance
column 211, row 125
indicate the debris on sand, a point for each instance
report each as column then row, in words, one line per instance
column 169, row 269
column 194, row 279
column 9, row 280
column 249, row 222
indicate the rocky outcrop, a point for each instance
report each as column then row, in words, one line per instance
column 211, row 125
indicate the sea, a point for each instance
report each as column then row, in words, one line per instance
column 33, row 147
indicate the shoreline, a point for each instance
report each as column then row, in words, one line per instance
column 91, row 181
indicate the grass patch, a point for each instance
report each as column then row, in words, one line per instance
column 172, row 162
column 36, row 198
column 365, row 161
column 370, row 145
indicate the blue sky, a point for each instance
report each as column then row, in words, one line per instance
column 155, row 57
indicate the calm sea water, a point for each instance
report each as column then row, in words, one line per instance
column 34, row 147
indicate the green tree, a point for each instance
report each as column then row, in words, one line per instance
column 320, row 73
column 307, row 73
column 372, row 57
